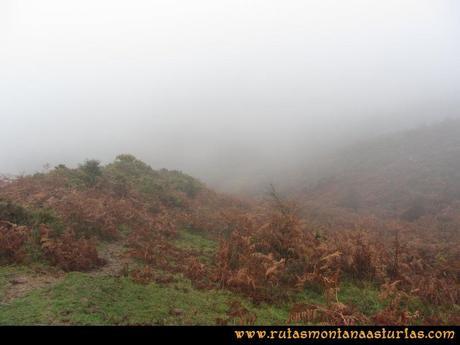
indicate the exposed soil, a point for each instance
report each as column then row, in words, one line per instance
column 22, row 283
column 117, row 261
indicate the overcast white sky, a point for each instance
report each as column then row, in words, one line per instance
column 199, row 84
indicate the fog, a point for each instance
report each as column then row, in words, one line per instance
column 233, row 92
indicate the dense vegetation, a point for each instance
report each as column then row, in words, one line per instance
column 377, row 243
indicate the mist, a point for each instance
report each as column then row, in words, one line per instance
column 231, row 92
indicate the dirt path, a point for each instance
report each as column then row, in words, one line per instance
column 21, row 283
column 116, row 260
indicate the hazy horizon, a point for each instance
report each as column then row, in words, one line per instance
column 220, row 90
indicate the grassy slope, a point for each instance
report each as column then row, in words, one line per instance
column 88, row 298
column 84, row 298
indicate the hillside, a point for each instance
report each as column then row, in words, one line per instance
column 115, row 244
column 127, row 244
column 408, row 174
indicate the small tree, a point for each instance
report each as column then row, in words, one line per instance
column 91, row 171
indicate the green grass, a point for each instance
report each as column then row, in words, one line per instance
column 364, row 297
column 189, row 239
column 85, row 299
column 308, row 296
column 82, row 299
column 192, row 240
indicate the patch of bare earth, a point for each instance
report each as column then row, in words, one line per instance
column 21, row 283
column 116, row 260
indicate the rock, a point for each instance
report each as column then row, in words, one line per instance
column 18, row 280
column 176, row 312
